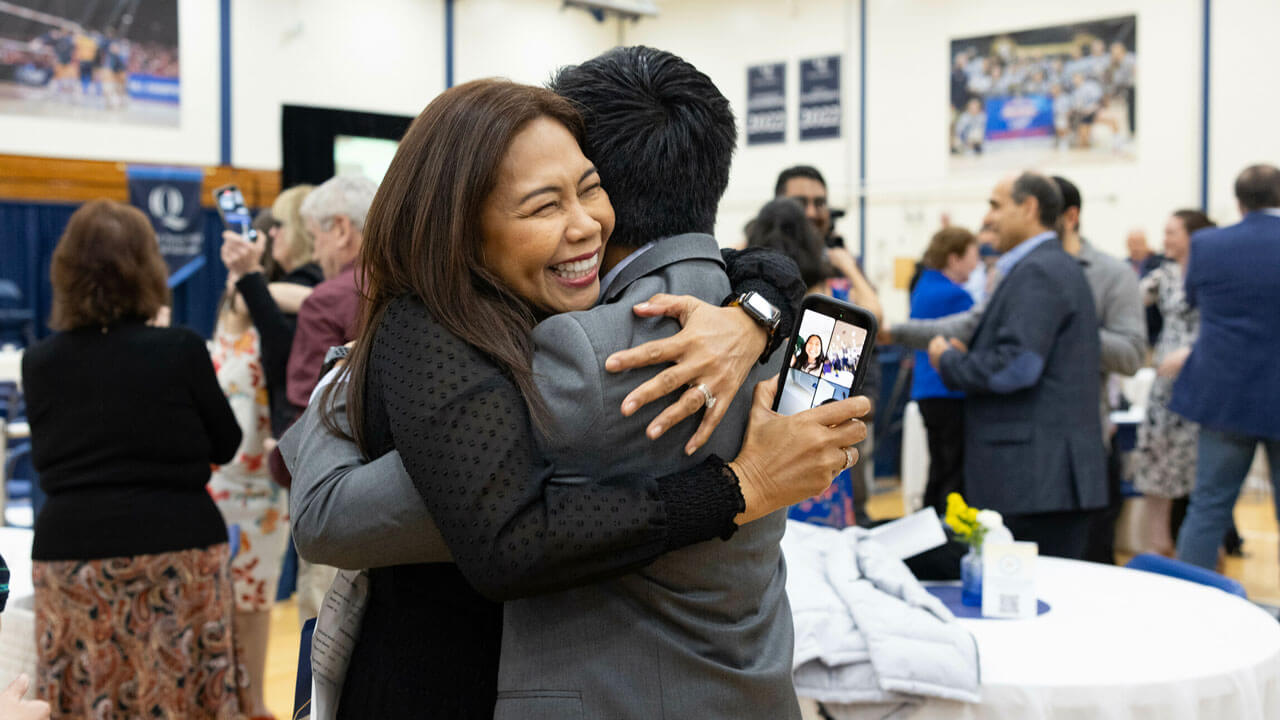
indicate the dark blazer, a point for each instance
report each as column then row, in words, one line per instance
column 1033, row 438
column 1231, row 382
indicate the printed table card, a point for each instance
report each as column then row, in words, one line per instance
column 1009, row 579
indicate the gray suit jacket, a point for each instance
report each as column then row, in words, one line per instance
column 703, row 632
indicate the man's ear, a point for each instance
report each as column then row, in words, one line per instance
column 1030, row 209
column 342, row 226
column 1070, row 218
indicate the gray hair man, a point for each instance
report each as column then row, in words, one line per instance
column 334, row 213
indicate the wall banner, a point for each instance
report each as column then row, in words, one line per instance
column 170, row 197
column 820, row 109
column 766, row 104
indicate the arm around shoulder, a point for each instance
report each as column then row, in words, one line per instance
column 347, row 513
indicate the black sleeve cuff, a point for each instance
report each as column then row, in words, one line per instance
column 776, row 277
column 701, row 503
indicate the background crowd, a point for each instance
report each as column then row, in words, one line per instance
column 1018, row 326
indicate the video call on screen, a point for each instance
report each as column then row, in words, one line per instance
column 824, row 362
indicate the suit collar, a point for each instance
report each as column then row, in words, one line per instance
column 1043, row 247
column 664, row 252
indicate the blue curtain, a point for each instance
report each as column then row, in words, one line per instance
column 29, row 232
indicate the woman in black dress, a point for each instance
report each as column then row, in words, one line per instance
column 489, row 219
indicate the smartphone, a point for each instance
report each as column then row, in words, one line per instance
column 828, row 357
column 234, row 213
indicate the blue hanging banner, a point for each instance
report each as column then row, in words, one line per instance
column 170, row 197
column 766, row 104
column 820, row 113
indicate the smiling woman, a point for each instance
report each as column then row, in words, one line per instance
column 490, row 218
column 547, row 221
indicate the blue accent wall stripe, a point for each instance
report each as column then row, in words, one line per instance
column 448, row 43
column 224, row 156
column 1204, row 111
column 862, row 129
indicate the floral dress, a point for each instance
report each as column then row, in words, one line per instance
column 1164, row 462
column 243, row 489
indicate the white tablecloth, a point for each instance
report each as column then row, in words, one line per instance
column 18, row 624
column 1124, row 645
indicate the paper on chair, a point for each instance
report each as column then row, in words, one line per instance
column 909, row 536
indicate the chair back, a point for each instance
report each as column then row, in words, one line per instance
column 1161, row 565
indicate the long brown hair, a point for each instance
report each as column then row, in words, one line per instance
column 423, row 235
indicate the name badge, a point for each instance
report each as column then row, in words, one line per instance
column 1009, row 580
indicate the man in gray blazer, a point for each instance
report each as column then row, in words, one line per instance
column 704, row 631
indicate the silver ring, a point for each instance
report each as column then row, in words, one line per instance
column 848, row 459
column 706, row 393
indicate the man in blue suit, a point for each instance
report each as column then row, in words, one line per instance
column 1231, row 381
column 1033, row 436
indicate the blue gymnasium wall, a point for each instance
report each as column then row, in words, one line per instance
column 29, row 232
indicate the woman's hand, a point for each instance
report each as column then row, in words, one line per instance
column 240, row 256
column 718, row 347
column 860, row 291
column 1172, row 363
column 13, row 707
column 789, row 458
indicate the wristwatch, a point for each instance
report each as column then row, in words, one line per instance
column 764, row 313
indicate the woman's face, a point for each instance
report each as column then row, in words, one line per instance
column 813, row 348
column 1177, row 242
column 547, row 221
column 279, row 250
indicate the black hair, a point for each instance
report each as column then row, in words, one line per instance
column 1258, row 187
column 782, row 226
column 802, row 353
column 799, row 171
column 660, row 133
column 1193, row 220
column 1046, row 193
column 1070, row 193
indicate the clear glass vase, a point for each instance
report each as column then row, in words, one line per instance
column 971, row 577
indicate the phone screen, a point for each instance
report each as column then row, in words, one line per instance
column 235, row 215
column 826, row 356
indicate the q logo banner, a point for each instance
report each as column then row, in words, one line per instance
column 170, row 197
column 165, row 203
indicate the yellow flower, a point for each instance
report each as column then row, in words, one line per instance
column 962, row 519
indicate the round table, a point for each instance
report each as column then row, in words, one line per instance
column 1121, row 644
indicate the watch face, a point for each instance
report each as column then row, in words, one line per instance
column 761, row 306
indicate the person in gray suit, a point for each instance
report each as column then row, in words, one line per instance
column 687, row 629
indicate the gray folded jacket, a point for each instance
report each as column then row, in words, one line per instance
column 871, row 641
